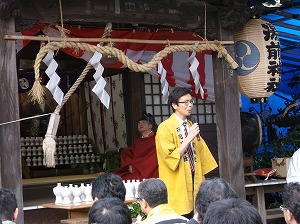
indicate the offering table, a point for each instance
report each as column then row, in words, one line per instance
column 77, row 211
column 258, row 190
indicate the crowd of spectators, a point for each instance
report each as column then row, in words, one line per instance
column 216, row 203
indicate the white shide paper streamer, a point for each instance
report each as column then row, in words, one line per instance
column 193, row 68
column 163, row 81
column 100, row 81
column 54, row 79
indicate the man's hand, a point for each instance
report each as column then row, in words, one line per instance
column 193, row 132
column 130, row 168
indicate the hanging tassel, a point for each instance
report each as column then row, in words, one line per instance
column 49, row 144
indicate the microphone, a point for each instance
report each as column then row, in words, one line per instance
column 195, row 122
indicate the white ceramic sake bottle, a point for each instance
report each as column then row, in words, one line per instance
column 130, row 190
column 136, row 186
column 71, row 188
column 66, row 193
column 57, row 192
column 88, row 193
column 82, row 196
column 76, row 193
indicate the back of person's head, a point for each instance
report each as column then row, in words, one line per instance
column 153, row 191
column 291, row 201
column 8, row 205
column 176, row 94
column 109, row 210
column 232, row 211
column 212, row 190
column 108, row 185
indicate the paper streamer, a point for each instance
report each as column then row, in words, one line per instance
column 100, row 81
column 194, row 70
column 163, row 81
column 54, row 79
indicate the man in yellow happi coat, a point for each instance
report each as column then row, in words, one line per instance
column 183, row 156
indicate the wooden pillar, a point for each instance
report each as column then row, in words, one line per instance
column 228, row 120
column 134, row 101
column 10, row 155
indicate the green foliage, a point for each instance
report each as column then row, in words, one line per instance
column 135, row 210
column 283, row 147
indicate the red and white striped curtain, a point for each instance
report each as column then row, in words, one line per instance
column 176, row 63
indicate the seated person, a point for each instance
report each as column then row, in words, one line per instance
column 153, row 199
column 8, row 207
column 232, row 211
column 108, row 185
column 210, row 190
column 293, row 174
column 291, row 203
column 109, row 210
column 139, row 161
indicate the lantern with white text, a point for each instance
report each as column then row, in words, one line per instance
column 258, row 56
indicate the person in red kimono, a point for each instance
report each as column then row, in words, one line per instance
column 139, row 161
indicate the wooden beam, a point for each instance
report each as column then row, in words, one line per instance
column 228, row 121
column 185, row 15
column 10, row 153
column 108, row 40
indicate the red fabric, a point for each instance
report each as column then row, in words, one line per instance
column 175, row 63
column 142, row 156
column 125, row 34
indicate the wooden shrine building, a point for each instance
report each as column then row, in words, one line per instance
column 210, row 19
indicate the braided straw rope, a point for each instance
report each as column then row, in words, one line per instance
column 37, row 94
column 49, row 144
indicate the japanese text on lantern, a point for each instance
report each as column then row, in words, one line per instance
column 273, row 49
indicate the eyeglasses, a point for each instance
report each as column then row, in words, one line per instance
column 282, row 208
column 187, row 102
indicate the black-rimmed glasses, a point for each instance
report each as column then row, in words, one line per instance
column 187, row 102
